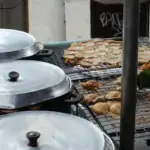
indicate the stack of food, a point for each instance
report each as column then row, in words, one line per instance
column 145, row 66
column 108, row 103
column 103, row 103
column 97, row 53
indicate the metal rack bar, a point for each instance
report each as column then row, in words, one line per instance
column 131, row 30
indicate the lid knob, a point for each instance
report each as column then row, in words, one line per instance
column 33, row 138
column 13, row 76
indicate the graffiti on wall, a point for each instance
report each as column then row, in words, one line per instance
column 114, row 19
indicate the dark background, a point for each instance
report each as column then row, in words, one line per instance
column 96, row 27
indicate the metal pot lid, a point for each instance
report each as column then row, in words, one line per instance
column 25, row 82
column 16, row 44
column 42, row 130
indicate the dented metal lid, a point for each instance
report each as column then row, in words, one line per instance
column 16, row 44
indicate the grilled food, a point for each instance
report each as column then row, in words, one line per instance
column 118, row 80
column 92, row 98
column 99, row 52
column 115, row 109
column 109, row 107
column 110, row 102
column 94, row 53
column 91, row 85
column 148, row 97
column 100, row 108
column 113, row 95
column 145, row 66
column 118, row 88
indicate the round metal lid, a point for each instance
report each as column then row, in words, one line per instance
column 24, row 83
column 41, row 130
column 16, row 44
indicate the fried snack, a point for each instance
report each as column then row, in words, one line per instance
column 100, row 108
column 119, row 88
column 115, row 109
column 145, row 66
column 148, row 97
column 118, row 80
column 91, row 85
column 113, row 95
column 92, row 98
column 94, row 53
column 110, row 103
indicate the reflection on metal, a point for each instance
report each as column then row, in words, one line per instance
column 131, row 31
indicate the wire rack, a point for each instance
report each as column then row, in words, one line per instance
column 105, row 122
column 112, row 126
column 54, row 55
column 57, row 58
column 79, row 110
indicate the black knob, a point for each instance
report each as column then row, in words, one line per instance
column 13, row 76
column 148, row 142
column 33, row 138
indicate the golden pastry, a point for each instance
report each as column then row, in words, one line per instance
column 91, row 85
column 113, row 95
column 100, row 108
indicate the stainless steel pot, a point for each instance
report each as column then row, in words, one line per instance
column 25, row 83
column 16, row 44
column 42, row 130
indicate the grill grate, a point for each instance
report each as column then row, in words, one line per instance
column 57, row 58
column 54, row 55
column 84, row 113
column 112, row 126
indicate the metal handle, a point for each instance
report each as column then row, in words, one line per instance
column 33, row 138
column 45, row 52
column 39, row 46
column 74, row 99
column 13, row 76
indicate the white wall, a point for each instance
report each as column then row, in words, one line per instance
column 47, row 20
column 78, row 24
